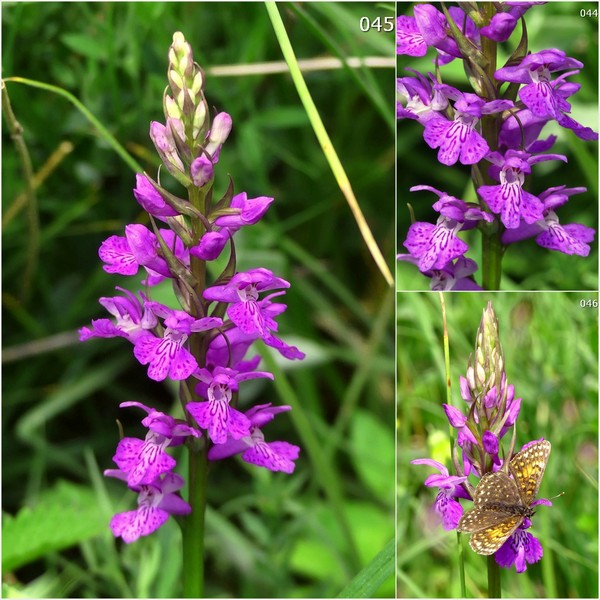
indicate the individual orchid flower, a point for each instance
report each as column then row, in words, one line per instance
column 144, row 460
column 156, row 502
column 275, row 456
column 166, row 355
column 216, row 415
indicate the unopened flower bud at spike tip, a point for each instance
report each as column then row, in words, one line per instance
column 181, row 49
column 178, row 40
column 176, row 79
column 199, row 120
column 489, row 359
column 185, row 78
column 197, row 82
column 172, row 108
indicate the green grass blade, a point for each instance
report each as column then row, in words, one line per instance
column 102, row 131
column 367, row 582
column 325, row 141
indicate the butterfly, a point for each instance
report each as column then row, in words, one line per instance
column 502, row 503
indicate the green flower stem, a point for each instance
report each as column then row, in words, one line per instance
column 192, row 526
column 324, row 140
column 197, row 198
column 494, row 587
column 492, row 250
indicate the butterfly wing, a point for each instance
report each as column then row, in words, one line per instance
column 500, row 503
column 488, row 540
column 528, row 467
column 496, row 488
column 480, row 519
column 490, row 521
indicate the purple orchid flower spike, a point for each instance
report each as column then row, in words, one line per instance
column 191, row 340
column 497, row 123
column 505, row 495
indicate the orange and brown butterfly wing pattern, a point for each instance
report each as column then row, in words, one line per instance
column 500, row 504
column 480, row 519
column 528, row 467
column 490, row 521
column 489, row 540
column 496, row 488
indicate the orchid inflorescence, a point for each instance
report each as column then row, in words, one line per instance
column 507, row 482
column 203, row 343
column 496, row 130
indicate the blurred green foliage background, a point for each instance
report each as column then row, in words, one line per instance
column 268, row 535
column 550, row 343
column 526, row 266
